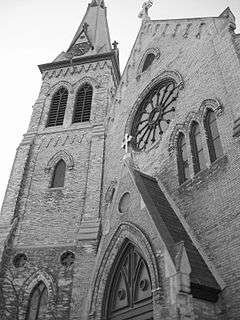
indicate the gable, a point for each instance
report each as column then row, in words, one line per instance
column 203, row 283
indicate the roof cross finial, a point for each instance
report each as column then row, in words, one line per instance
column 144, row 12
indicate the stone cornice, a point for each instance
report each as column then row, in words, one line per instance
column 78, row 61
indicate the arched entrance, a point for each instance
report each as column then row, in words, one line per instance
column 128, row 294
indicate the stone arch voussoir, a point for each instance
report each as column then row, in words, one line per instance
column 30, row 284
column 130, row 232
column 61, row 155
column 174, row 75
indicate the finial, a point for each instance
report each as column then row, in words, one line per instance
column 115, row 45
column 144, row 12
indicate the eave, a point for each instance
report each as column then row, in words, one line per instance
column 83, row 60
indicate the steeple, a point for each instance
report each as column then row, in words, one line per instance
column 92, row 36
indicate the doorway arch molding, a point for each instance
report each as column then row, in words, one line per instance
column 125, row 232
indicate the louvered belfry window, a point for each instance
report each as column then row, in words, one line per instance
column 213, row 137
column 57, row 109
column 83, row 103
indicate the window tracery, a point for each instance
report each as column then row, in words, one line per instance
column 130, row 288
column 57, row 108
column 154, row 114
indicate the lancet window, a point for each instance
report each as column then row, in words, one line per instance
column 59, row 172
column 182, row 159
column 38, row 301
column 199, row 161
column 83, row 104
column 129, row 294
column 57, row 108
column 213, row 137
column 148, row 61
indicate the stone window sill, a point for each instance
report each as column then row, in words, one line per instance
column 205, row 175
column 56, row 189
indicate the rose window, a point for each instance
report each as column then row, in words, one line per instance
column 154, row 114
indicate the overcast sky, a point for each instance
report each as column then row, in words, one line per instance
column 34, row 32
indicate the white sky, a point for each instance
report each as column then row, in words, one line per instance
column 34, row 32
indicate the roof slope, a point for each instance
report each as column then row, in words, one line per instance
column 162, row 213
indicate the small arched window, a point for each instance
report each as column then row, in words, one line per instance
column 199, row 161
column 213, row 137
column 83, row 104
column 37, row 306
column 59, row 175
column 148, row 61
column 182, row 159
column 57, row 108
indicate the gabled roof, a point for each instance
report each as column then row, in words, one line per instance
column 171, row 229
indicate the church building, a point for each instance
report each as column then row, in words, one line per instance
column 123, row 201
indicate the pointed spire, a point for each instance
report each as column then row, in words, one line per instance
column 92, row 36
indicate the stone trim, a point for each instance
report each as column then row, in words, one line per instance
column 58, row 85
column 95, row 83
column 29, row 285
column 174, row 75
column 157, row 54
column 57, row 157
column 138, row 238
column 212, row 104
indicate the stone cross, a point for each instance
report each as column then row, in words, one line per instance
column 144, row 12
column 126, row 141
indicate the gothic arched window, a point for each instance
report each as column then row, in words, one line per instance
column 57, row 108
column 182, row 159
column 154, row 114
column 213, row 137
column 148, row 61
column 129, row 293
column 83, row 104
column 199, row 161
column 59, row 175
column 37, row 305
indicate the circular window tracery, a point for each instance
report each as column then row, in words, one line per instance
column 154, row 114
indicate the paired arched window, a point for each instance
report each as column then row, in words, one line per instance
column 83, row 103
column 37, row 305
column 59, row 175
column 213, row 137
column 183, row 164
column 148, row 61
column 199, row 161
column 57, row 108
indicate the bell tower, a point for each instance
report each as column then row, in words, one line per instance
column 50, row 219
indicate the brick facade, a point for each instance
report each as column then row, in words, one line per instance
column 202, row 57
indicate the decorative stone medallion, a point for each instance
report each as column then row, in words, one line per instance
column 67, row 258
column 124, row 203
column 20, row 260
